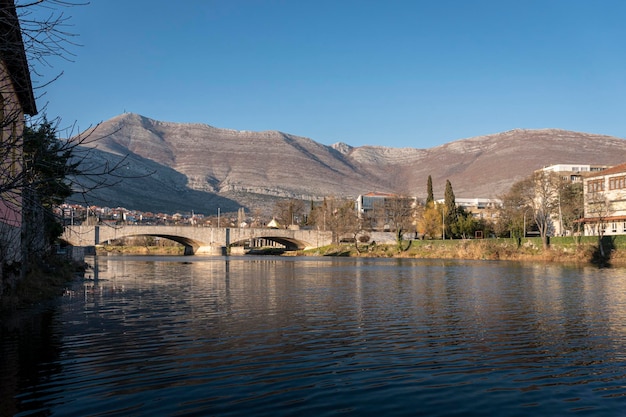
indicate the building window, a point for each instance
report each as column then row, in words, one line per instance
column 614, row 227
column 594, row 186
column 617, row 183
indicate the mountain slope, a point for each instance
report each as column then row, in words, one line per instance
column 486, row 166
column 251, row 168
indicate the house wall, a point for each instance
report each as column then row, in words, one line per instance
column 11, row 128
column 605, row 203
column 375, row 207
column 480, row 208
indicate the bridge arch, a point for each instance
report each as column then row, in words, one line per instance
column 202, row 240
column 286, row 242
column 191, row 245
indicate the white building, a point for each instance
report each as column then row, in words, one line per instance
column 367, row 203
column 574, row 172
column 377, row 208
column 481, row 208
column 605, row 201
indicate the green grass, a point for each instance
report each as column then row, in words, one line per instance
column 561, row 249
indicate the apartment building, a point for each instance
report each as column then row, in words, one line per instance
column 605, row 201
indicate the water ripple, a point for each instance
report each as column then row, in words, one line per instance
column 351, row 337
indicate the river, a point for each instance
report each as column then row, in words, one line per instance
column 271, row 336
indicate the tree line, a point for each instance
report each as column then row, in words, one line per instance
column 535, row 204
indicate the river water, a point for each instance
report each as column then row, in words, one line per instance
column 270, row 336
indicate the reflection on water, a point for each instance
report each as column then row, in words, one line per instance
column 317, row 336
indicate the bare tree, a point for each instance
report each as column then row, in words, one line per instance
column 571, row 208
column 32, row 35
column 536, row 196
column 400, row 215
column 515, row 208
column 338, row 216
column 289, row 211
column 599, row 208
column 257, row 217
column 544, row 202
column 16, row 101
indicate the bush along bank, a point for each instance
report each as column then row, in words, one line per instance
column 43, row 281
column 583, row 250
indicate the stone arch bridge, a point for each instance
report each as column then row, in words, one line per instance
column 199, row 240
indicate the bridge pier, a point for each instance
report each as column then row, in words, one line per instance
column 208, row 250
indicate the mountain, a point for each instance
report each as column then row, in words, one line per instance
column 183, row 167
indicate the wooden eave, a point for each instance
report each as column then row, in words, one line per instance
column 14, row 56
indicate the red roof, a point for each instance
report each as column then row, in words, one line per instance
column 375, row 194
column 617, row 169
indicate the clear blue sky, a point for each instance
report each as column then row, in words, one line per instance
column 401, row 73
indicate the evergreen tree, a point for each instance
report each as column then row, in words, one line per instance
column 47, row 164
column 466, row 225
column 450, row 210
column 46, row 168
column 430, row 198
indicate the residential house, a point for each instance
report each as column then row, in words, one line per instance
column 367, row 203
column 605, row 201
column 16, row 101
column 574, row 172
column 480, row 208
column 378, row 209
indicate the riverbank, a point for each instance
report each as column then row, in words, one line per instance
column 562, row 250
column 44, row 281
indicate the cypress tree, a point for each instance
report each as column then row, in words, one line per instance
column 450, row 207
column 430, row 198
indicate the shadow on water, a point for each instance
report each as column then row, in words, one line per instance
column 27, row 339
column 601, row 256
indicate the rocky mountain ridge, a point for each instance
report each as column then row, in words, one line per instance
column 196, row 166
